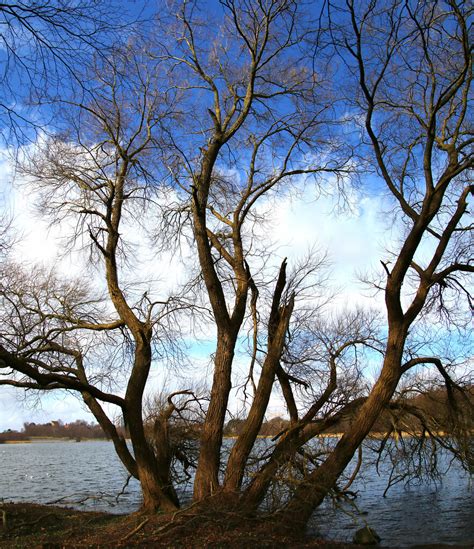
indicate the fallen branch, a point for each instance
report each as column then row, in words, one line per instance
column 135, row 530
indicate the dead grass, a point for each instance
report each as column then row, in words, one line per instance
column 31, row 525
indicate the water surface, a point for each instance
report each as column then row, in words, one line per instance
column 88, row 475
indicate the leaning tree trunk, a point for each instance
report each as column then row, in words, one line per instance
column 110, row 430
column 289, row 445
column 277, row 331
column 311, row 492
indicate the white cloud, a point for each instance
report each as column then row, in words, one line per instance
column 34, row 241
column 355, row 236
column 12, row 413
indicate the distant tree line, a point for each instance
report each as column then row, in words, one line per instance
column 78, row 429
column 12, row 436
column 429, row 411
column 271, row 427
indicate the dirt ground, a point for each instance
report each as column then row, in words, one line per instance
column 39, row 526
column 31, row 525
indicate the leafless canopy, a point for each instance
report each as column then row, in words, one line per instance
column 42, row 46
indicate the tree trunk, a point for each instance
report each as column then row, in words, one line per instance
column 154, row 474
column 243, row 446
column 157, row 489
column 155, row 498
column 207, row 482
column 290, row 443
column 278, row 327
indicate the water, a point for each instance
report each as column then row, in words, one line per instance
column 88, row 475
column 67, row 471
column 441, row 512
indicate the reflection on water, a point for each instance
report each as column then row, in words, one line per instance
column 90, row 472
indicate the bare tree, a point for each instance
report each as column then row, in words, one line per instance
column 43, row 45
column 94, row 176
column 222, row 124
column 412, row 63
column 257, row 87
column 122, row 140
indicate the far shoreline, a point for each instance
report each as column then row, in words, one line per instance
column 35, row 440
column 376, row 435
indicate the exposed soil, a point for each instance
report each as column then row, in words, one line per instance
column 41, row 526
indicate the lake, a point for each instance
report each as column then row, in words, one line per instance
column 88, row 475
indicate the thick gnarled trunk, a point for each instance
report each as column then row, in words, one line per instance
column 153, row 473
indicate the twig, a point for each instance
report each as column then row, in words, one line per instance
column 355, row 472
column 169, row 524
column 135, row 530
column 124, row 487
column 81, row 498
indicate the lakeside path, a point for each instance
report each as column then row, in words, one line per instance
column 31, row 525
